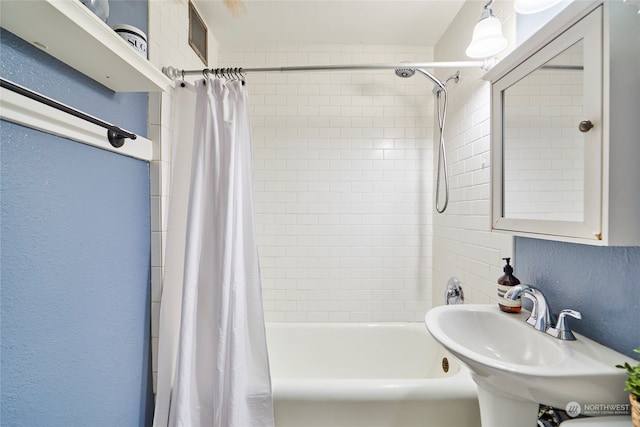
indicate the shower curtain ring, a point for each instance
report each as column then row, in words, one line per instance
column 205, row 74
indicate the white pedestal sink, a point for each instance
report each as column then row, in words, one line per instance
column 517, row 367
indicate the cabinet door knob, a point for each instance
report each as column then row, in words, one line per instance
column 585, row 126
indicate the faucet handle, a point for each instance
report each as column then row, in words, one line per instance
column 562, row 330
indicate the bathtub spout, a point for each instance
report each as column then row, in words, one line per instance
column 454, row 294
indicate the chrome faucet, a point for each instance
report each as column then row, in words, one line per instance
column 540, row 317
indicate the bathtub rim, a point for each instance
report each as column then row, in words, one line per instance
column 457, row 386
column 460, row 385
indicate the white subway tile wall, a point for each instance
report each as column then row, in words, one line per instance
column 343, row 176
column 168, row 46
column 343, row 183
column 463, row 245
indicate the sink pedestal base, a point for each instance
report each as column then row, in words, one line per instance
column 498, row 410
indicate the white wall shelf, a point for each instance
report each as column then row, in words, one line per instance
column 70, row 32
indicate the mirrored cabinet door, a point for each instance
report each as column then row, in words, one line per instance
column 547, row 138
column 543, row 161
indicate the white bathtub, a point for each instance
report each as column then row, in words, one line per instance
column 366, row 375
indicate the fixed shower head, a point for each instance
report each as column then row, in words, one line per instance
column 405, row 72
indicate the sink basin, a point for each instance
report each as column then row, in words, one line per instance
column 517, row 367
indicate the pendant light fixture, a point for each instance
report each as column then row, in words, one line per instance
column 487, row 39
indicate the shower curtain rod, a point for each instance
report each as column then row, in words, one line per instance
column 175, row 73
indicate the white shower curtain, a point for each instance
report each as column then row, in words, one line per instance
column 213, row 369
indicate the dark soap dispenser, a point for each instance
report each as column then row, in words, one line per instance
column 506, row 282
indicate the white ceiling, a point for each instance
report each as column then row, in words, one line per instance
column 401, row 22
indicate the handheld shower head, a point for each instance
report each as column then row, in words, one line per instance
column 405, row 72
column 441, row 92
column 431, row 77
column 409, row 72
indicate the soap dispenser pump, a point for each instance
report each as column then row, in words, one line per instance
column 506, row 282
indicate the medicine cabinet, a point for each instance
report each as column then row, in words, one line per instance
column 565, row 130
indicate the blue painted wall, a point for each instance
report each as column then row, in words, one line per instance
column 603, row 283
column 75, row 274
column 75, row 256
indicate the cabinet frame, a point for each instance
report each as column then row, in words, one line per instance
column 612, row 168
column 589, row 30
